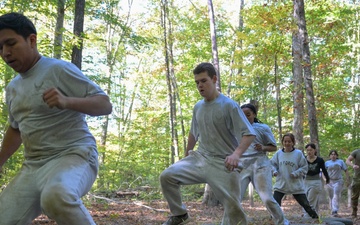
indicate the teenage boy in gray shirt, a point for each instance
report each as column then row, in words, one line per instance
column 223, row 133
column 47, row 103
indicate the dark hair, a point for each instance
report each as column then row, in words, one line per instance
column 205, row 67
column 311, row 145
column 334, row 151
column 18, row 23
column 290, row 135
column 253, row 109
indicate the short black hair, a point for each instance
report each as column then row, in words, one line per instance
column 205, row 67
column 18, row 23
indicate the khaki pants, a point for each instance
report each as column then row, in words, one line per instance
column 355, row 193
column 195, row 169
column 52, row 186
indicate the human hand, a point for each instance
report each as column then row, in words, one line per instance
column 232, row 161
column 355, row 167
column 258, row 147
column 55, row 97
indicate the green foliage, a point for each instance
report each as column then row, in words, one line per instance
column 124, row 53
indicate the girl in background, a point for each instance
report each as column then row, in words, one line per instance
column 313, row 179
column 259, row 171
column 290, row 168
column 335, row 167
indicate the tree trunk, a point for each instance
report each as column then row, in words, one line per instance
column 299, row 10
column 214, row 43
column 76, row 56
column 298, row 96
column 59, row 29
column 238, row 44
column 170, row 80
column 278, row 98
column 209, row 197
column 251, row 194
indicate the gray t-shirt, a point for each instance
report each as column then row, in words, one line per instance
column 46, row 131
column 335, row 169
column 219, row 125
column 264, row 136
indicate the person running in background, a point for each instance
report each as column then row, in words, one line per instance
column 313, row 179
column 224, row 134
column 335, row 167
column 259, row 171
column 290, row 168
column 354, row 161
column 47, row 101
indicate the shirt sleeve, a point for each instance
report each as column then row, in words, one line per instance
column 324, row 170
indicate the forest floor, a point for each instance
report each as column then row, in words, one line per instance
column 132, row 212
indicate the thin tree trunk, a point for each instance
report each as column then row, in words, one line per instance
column 310, row 100
column 170, row 81
column 355, row 71
column 209, row 197
column 238, row 44
column 214, row 43
column 278, row 97
column 251, row 194
column 59, row 29
column 76, row 56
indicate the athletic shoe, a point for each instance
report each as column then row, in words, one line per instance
column 178, row 220
column 334, row 214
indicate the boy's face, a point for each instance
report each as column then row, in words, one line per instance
column 18, row 53
column 206, row 86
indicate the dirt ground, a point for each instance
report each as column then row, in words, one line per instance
column 129, row 212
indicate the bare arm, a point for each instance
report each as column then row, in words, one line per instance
column 265, row 148
column 232, row 161
column 349, row 162
column 10, row 144
column 96, row 105
column 191, row 144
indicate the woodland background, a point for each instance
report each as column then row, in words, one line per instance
column 142, row 52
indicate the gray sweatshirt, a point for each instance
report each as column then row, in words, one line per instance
column 285, row 164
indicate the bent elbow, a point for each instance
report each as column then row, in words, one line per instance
column 105, row 110
column 108, row 109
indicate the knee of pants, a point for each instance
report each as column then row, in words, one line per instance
column 55, row 199
column 268, row 200
column 166, row 175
